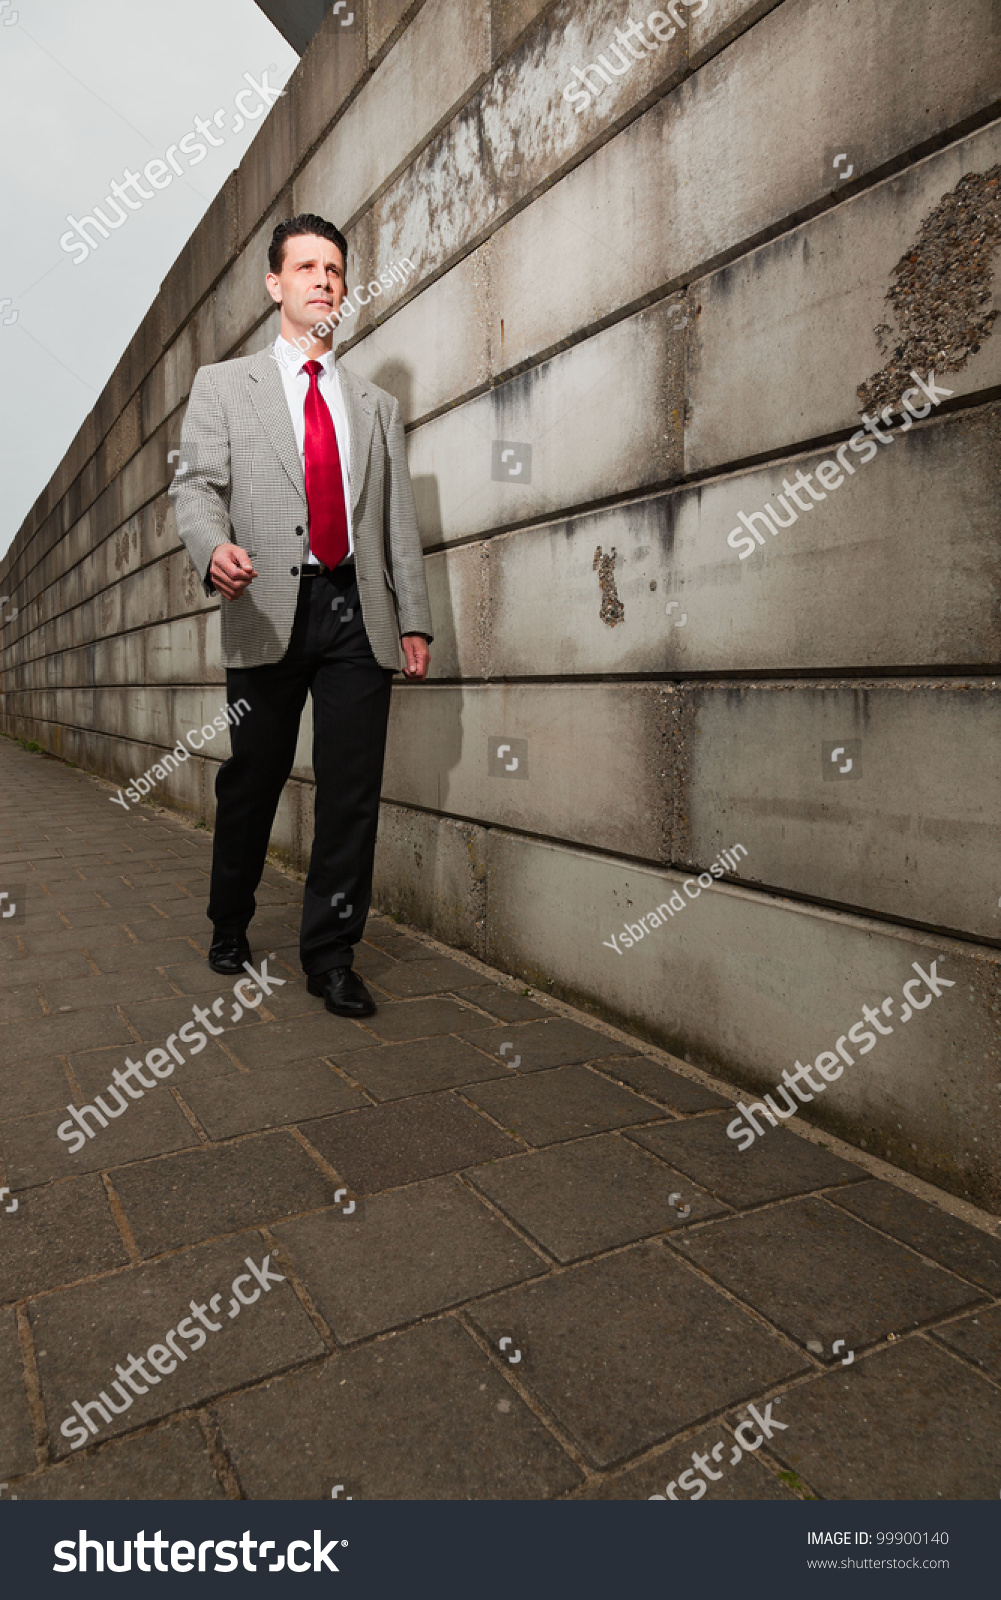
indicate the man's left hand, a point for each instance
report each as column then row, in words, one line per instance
column 417, row 655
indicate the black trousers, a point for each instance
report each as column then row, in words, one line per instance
column 330, row 656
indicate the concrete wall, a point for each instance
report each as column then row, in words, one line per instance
column 671, row 298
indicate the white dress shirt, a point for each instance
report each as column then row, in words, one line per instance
column 292, row 364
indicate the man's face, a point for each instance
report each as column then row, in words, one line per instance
column 311, row 284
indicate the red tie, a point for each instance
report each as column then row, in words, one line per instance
column 328, row 518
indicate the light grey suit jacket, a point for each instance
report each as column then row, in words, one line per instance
column 241, row 479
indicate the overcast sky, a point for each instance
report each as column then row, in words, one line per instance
column 89, row 88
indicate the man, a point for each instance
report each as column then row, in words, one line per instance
column 295, row 504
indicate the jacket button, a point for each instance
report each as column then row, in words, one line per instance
column 295, row 572
column 298, row 530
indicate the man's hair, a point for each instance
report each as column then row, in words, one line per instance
column 292, row 227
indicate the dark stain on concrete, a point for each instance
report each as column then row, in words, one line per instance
column 942, row 295
column 612, row 610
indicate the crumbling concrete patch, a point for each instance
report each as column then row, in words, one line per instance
column 612, row 609
column 942, row 295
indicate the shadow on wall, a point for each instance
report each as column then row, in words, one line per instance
column 438, row 762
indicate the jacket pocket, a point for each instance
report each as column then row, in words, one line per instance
column 389, row 582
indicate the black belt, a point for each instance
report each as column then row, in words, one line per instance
column 317, row 570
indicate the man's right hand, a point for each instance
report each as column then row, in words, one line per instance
column 231, row 570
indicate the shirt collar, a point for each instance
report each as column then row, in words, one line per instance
column 291, row 357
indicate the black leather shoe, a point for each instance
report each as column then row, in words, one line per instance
column 342, row 992
column 228, row 952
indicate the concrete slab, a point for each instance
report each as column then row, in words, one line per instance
column 183, row 1198
column 565, row 1103
column 58, row 1234
column 779, row 1261
column 451, row 1428
column 405, row 1141
column 910, row 1423
column 591, row 1195
column 618, row 1350
column 371, row 1278
column 81, row 1333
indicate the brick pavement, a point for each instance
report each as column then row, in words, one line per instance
column 420, row 1199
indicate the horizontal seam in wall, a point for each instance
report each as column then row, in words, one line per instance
column 643, row 864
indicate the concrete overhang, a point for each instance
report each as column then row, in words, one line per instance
column 298, row 21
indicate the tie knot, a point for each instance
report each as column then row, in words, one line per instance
column 313, row 368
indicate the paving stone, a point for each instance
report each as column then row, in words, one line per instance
column 57, row 870
column 955, row 1244
column 591, row 1195
column 32, row 1087
column 94, row 1069
column 780, row 1164
column 420, row 1416
column 17, row 1447
column 268, row 1098
column 105, row 990
column 369, row 962
column 555, row 1043
column 503, row 1003
column 821, row 1276
column 155, row 1020
column 419, row 1067
column 96, row 893
column 90, row 920
column 194, row 976
column 560, row 1104
column 628, row 1351
column 55, row 1035
column 168, row 1463
column 387, row 1146
column 978, row 1338
column 301, row 1039
column 58, row 1234
column 33, row 1153
column 415, row 977
column 382, row 935
column 911, row 1423
column 125, row 956
column 156, row 887
column 416, row 1019
column 668, row 1088
column 211, row 1191
column 417, row 1251
column 53, row 946
column 81, row 1333
column 161, row 929
column 745, row 1478
column 35, row 970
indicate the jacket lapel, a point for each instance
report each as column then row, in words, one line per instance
column 360, row 407
column 268, row 394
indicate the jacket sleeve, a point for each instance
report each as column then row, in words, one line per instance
column 412, row 604
column 200, row 491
